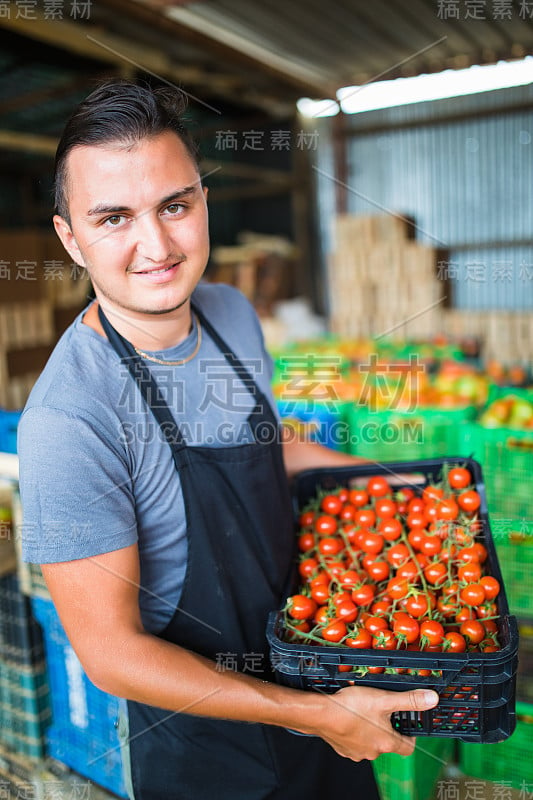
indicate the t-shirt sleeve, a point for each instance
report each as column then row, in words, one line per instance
column 75, row 486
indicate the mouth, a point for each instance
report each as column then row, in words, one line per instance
column 157, row 271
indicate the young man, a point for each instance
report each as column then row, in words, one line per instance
column 155, row 498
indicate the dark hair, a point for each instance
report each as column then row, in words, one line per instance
column 119, row 111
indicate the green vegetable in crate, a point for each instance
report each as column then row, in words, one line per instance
column 419, row 584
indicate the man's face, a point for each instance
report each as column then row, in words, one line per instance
column 139, row 223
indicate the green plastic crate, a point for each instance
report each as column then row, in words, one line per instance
column 414, row 777
column 506, row 457
column 508, row 761
column 394, row 435
column 514, row 545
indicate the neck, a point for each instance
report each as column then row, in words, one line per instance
column 147, row 333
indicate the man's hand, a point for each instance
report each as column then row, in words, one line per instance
column 356, row 720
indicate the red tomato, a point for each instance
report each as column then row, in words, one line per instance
column 416, row 520
column 335, row 567
column 364, row 595
column 467, row 554
column 398, row 587
column 320, row 593
column 307, row 567
column 340, row 597
column 385, row 640
column 335, row 631
column 432, row 631
column 385, row 507
column 491, row 586
column 390, row 528
column 448, row 509
column 330, row 545
column 347, row 512
column 378, row 570
column 465, row 614
column 416, row 505
column 481, row 551
column 430, row 545
column 432, row 494
column 397, row 554
column 417, row 605
column 359, row 497
column 435, row 573
column 365, row 517
column 306, row 541
column 343, row 494
column 405, row 627
column 375, row 624
column 323, row 616
column 331, row 504
column 300, row 606
column 378, row 486
column 409, row 570
column 459, row 478
column 325, row 525
column 380, row 607
column 372, row 543
column 469, row 572
column 306, row 519
column 473, row 631
column 349, row 579
column 347, row 611
column 469, row 501
column 361, row 639
column 414, row 538
column 457, row 642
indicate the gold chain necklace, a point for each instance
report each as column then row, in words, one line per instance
column 181, row 361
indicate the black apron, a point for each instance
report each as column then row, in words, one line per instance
column 239, row 566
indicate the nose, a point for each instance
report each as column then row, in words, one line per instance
column 153, row 241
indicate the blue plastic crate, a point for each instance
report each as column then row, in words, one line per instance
column 9, row 421
column 83, row 734
column 24, row 707
column 320, row 420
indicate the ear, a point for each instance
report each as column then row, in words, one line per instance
column 68, row 241
column 205, row 191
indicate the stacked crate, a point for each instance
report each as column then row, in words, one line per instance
column 40, row 292
column 24, row 695
column 382, row 281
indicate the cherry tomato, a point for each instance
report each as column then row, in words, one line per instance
column 323, row 615
column 430, row 545
column 307, row 567
column 347, row 512
column 457, row 642
column 347, row 611
column 431, row 513
column 473, row 631
column 365, row 517
column 340, row 597
column 467, row 554
column 349, row 579
column 481, row 551
column 325, row 525
column 306, row 519
column 405, row 627
column 385, row 508
column 375, row 624
column 300, row 606
column 465, row 614
column 432, row 494
column 335, row 567
column 390, row 528
column 416, row 505
column 416, row 520
column 459, row 478
column 469, row 572
column 361, row 639
column 378, row 571
column 435, row 573
column 372, row 543
column 330, row 545
column 409, row 570
column 364, row 595
column 417, row 605
column 414, row 538
column 306, row 541
column 397, row 554
column 343, row 494
column 491, row 586
column 385, row 640
column 320, row 593
column 380, row 607
column 486, row 610
column 331, row 504
column 448, row 608
column 432, row 631
column 359, row 497
column 448, row 509
column 398, row 587
column 469, row 501
column 378, row 486
column 335, row 631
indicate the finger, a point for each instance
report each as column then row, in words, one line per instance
column 404, row 745
column 417, row 700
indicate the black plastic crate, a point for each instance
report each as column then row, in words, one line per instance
column 21, row 639
column 477, row 690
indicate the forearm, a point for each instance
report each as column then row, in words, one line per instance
column 299, row 455
column 153, row 671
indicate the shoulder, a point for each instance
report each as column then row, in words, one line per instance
column 222, row 300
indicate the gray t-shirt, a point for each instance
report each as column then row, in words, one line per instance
column 96, row 473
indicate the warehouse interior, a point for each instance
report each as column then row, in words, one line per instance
column 389, row 249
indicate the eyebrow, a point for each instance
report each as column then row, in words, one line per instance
column 101, row 209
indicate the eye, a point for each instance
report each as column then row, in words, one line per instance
column 114, row 221
column 174, row 208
